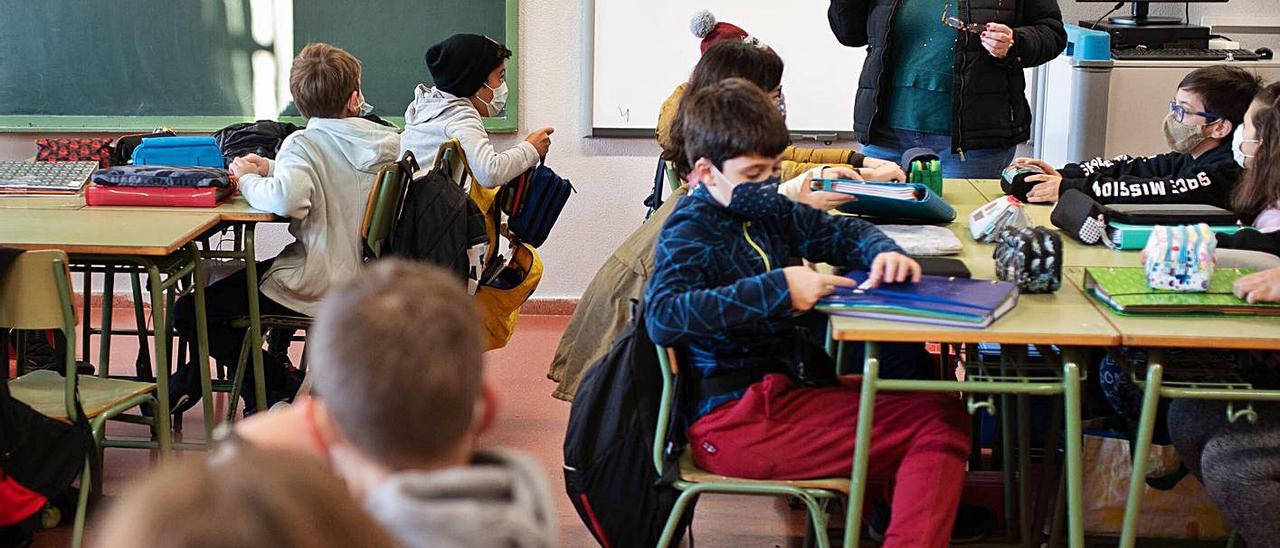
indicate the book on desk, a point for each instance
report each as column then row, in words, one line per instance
column 936, row 300
column 1125, row 291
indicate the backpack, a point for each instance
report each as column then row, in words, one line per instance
column 263, row 138
column 534, row 201
column 440, row 225
column 609, row 471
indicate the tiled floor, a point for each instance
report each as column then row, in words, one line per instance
column 531, row 420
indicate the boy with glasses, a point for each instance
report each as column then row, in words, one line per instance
column 1208, row 106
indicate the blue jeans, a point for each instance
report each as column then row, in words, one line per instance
column 977, row 164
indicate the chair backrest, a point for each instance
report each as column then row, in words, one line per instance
column 382, row 209
column 35, row 293
column 669, row 368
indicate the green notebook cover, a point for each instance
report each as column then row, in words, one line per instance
column 1126, row 291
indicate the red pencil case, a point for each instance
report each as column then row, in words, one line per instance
column 99, row 195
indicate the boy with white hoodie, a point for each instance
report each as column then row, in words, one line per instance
column 320, row 180
column 399, row 419
column 469, row 71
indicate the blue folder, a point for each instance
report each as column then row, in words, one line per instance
column 937, row 300
column 892, row 201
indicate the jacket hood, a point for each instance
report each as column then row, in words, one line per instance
column 431, row 103
column 501, row 500
column 365, row 144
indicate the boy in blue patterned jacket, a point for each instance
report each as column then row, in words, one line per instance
column 722, row 294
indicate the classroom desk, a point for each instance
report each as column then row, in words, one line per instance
column 51, row 201
column 1160, row 332
column 161, row 245
column 1064, row 318
column 240, row 218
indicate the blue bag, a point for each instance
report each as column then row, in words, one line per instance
column 534, row 201
column 162, row 176
column 179, row 151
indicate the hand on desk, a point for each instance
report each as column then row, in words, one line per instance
column 1048, row 183
column 1260, row 287
column 893, row 267
column 807, row 286
column 881, row 170
column 250, row 163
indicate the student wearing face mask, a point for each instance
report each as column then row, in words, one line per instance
column 1207, row 107
column 469, row 71
column 724, row 297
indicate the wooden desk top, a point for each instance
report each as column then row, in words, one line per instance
column 1244, row 333
column 103, row 232
column 236, row 209
column 49, row 201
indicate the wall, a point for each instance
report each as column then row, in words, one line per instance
column 612, row 175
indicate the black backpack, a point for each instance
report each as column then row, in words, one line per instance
column 439, row 224
column 608, row 448
column 263, row 138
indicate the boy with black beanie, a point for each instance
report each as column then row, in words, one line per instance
column 469, row 71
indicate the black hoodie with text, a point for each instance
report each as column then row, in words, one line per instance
column 1170, row 178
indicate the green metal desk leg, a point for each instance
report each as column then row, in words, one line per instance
column 255, row 319
column 108, row 303
column 140, row 317
column 161, row 369
column 1007, row 449
column 1075, row 456
column 862, row 445
column 1142, row 449
column 1023, row 445
column 86, row 330
column 202, row 342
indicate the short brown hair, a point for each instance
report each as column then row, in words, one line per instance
column 322, row 79
column 248, row 498
column 1259, row 186
column 725, row 120
column 396, row 358
column 1225, row 91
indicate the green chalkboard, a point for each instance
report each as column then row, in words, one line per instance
column 198, row 65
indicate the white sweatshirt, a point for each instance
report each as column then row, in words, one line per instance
column 435, row 117
column 320, row 180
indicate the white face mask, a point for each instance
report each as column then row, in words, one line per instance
column 499, row 100
column 1237, row 142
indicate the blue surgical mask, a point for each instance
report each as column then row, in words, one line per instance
column 748, row 199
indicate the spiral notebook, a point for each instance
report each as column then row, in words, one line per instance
column 936, row 300
column 900, row 201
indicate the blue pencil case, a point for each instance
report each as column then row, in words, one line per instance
column 890, row 201
column 179, row 151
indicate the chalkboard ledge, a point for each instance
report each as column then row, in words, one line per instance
column 180, row 124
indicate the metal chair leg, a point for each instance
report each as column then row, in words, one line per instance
column 677, row 513
column 1142, row 450
column 82, row 506
column 862, row 445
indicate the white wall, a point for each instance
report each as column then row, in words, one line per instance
column 612, row 175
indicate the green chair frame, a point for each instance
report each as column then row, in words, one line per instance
column 61, row 274
column 812, row 497
column 1154, row 387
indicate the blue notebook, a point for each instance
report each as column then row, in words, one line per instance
column 935, row 300
column 898, row 201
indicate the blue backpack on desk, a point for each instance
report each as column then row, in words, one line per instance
column 179, row 151
column 533, row 202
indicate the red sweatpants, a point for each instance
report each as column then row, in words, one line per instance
column 782, row 431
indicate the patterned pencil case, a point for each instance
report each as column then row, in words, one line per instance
column 1030, row 258
column 1180, row 258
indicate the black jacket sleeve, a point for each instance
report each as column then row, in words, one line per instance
column 1163, row 179
column 848, row 19
column 1039, row 36
column 1252, row 240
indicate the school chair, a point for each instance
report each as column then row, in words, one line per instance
column 381, row 212
column 36, row 295
column 692, row 481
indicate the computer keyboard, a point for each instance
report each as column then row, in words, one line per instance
column 1183, row 54
column 20, row 176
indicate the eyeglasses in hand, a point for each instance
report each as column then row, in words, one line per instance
column 956, row 23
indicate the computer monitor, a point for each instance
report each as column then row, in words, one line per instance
column 1139, row 17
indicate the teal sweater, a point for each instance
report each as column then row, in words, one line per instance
column 922, row 58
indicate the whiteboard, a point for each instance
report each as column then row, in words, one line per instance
column 643, row 49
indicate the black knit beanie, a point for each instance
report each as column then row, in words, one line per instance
column 462, row 63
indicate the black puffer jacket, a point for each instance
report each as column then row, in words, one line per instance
column 989, row 108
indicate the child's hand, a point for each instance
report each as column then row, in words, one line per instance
column 1259, row 287
column 1036, row 162
column 820, row 199
column 998, row 39
column 1046, row 189
column 893, row 267
column 541, row 140
column 250, row 163
column 807, row 286
column 887, row 171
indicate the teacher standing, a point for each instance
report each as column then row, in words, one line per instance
column 947, row 75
